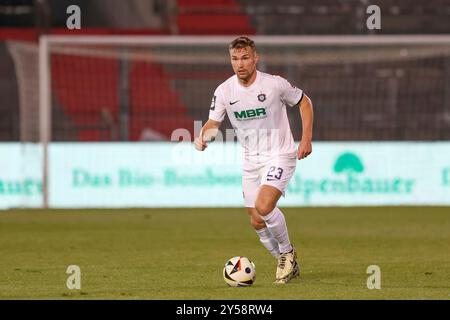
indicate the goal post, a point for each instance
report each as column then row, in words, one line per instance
column 139, row 88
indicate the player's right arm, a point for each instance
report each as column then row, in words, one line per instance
column 207, row 133
column 211, row 127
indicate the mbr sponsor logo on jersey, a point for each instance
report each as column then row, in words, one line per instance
column 250, row 114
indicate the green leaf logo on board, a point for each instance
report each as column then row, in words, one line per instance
column 348, row 162
column 350, row 176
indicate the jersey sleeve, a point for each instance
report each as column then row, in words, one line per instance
column 290, row 94
column 217, row 109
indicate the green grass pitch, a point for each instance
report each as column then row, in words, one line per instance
column 180, row 253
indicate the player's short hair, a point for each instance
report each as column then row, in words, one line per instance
column 242, row 42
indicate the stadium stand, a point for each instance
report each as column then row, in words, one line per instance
column 159, row 97
column 151, row 104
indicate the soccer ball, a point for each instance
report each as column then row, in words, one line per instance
column 239, row 272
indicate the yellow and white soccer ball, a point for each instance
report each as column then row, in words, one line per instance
column 239, row 272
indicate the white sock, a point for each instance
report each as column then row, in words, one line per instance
column 276, row 224
column 269, row 242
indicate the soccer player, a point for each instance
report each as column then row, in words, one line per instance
column 255, row 103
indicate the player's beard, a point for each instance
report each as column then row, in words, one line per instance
column 245, row 76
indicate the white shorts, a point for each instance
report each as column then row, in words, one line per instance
column 275, row 172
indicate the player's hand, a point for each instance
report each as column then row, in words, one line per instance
column 304, row 149
column 200, row 145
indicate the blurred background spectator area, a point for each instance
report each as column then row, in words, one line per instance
column 394, row 92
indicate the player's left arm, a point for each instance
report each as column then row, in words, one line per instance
column 307, row 116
